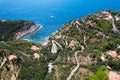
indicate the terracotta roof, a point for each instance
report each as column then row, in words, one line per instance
column 36, row 55
column 113, row 76
column 12, row 57
column 45, row 42
column 112, row 53
column 35, row 48
column 72, row 43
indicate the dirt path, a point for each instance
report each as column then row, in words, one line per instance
column 27, row 55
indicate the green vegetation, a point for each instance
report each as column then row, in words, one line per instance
column 101, row 74
column 9, row 28
column 104, row 25
column 96, row 39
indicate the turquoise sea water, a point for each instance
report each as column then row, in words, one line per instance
column 51, row 14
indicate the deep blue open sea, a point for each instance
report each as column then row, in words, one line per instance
column 51, row 14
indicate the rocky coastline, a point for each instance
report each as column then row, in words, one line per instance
column 29, row 27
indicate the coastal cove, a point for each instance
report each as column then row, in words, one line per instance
column 30, row 32
column 52, row 16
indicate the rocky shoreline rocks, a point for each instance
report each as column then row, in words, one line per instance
column 29, row 27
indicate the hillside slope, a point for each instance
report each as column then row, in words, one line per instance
column 96, row 40
column 83, row 49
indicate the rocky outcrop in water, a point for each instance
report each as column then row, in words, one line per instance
column 28, row 28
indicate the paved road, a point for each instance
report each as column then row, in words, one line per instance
column 54, row 46
column 114, row 27
column 76, row 68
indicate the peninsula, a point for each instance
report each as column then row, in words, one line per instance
column 16, row 29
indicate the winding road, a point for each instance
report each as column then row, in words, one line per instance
column 54, row 46
column 76, row 68
column 114, row 27
column 78, row 63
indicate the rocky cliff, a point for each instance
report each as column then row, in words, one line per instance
column 28, row 28
column 10, row 30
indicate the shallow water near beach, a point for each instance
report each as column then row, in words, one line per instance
column 51, row 14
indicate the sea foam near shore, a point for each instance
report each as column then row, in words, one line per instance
column 23, row 33
column 37, row 29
